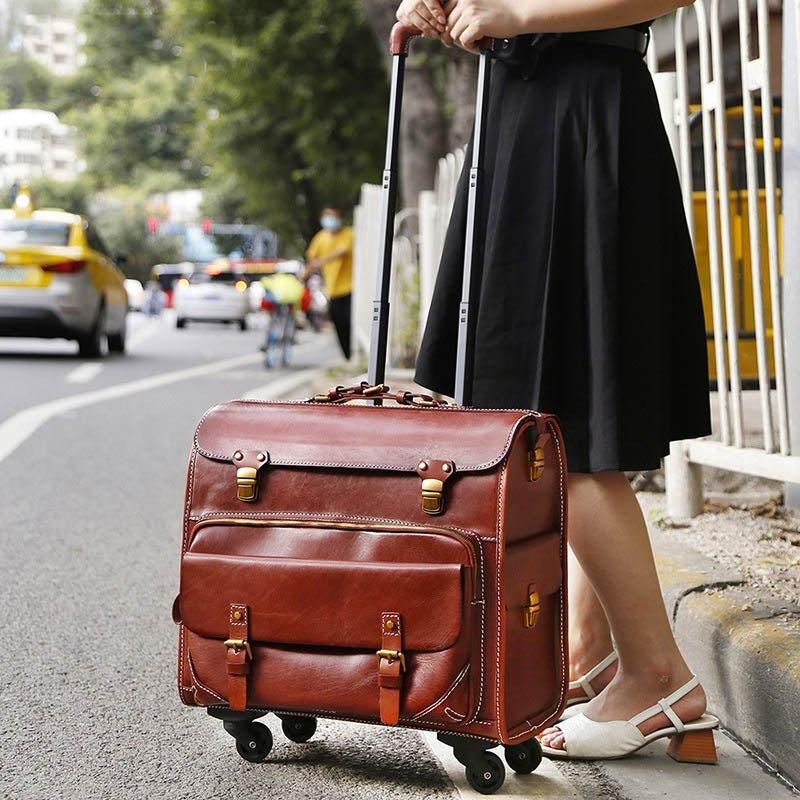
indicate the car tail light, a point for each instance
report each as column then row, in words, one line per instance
column 64, row 267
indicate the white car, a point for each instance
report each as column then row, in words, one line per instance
column 135, row 292
column 212, row 297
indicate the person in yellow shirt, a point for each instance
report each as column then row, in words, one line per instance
column 331, row 252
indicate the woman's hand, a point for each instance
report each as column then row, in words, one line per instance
column 426, row 15
column 469, row 21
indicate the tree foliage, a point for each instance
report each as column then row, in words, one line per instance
column 293, row 95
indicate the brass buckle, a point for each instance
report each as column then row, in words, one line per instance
column 532, row 608
column 247, row 484
column 392, row 655
column 432, row 496
column 379, row 388
column 535, row 463
column 239, row 644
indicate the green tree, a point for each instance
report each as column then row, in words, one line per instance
column 24, row 83
column 292, row 96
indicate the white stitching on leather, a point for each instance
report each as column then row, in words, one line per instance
column 344, row 465
column 561, row 591
column 498, row 587
column 444, row 697
column 199, row 684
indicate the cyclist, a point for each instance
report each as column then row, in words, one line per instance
column 283, row 295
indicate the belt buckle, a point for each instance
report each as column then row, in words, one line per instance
column 239, row 644
column 392, row 655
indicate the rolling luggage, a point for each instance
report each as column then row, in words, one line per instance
column 400, row 561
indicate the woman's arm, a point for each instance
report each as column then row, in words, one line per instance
column 471, row 20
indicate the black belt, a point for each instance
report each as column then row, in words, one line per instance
column 629, row 38
column 526, row 49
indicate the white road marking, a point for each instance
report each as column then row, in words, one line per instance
column 545, row 783
column 144, row 331
column 84, row 373
column 16, row 429
column 284, row 387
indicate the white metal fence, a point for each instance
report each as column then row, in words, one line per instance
column 751, row 428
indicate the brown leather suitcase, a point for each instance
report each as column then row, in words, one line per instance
column 399, row 562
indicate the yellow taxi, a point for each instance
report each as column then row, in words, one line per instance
column 58, row 280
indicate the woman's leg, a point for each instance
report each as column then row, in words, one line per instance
column 589, row 634
column 609, row 537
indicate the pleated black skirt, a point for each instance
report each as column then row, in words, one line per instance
column 589, row 303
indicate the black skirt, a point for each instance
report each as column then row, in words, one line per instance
column 589, row 303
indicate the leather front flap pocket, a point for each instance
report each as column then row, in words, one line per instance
column 323, row 603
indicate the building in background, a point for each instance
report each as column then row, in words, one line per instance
column 35, row 144
column 55, row 42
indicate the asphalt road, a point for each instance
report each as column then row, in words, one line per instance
column 92, row 470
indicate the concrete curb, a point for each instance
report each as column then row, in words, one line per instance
column 748, row 659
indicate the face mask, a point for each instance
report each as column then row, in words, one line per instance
column 330, row 222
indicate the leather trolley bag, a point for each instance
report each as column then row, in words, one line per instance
column 380, row 556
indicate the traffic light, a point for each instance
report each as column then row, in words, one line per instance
column 207, row 226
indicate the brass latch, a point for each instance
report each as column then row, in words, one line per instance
column 432, row 496
column 246, row 488
column 535, row 463
column 392, row 655
column 532, row 608
column 239, row 644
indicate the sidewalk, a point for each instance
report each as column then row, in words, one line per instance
column 731, row 583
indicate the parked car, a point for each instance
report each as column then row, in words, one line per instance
column 58, row 280
column 212, row 296
column 135, row 292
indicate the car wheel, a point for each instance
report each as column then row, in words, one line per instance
column 116, row 341
column 90, row 345
column 243, row 324
column 180, row 322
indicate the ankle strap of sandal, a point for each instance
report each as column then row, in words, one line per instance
column 664, row 706
column 584, row 682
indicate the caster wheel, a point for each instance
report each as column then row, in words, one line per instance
column 490, row 777
column 256, row 746
column 524, row 758
column 299, row 729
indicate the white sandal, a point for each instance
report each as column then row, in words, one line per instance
column 588, row 739
column 572, row 706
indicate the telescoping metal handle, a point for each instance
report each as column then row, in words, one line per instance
column 399, row 44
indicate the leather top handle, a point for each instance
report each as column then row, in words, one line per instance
column 400, row 39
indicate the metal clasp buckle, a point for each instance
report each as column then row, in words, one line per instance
column 239, row 644
column 392, row 655
column 532, row 608
column 432, row 496
column 246, row 480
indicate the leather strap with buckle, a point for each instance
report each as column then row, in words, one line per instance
column 238, row 656
column 391, row 666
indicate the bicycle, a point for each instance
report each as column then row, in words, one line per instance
column 280, row 335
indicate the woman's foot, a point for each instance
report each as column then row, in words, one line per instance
column 629, row 694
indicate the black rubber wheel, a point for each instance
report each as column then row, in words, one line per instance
column 90, row 345
column 243, row 324
column 524, row 758
column 491, row 776
column 180, row 322
column 258, row 744
column 299, row 729
column 116, row 341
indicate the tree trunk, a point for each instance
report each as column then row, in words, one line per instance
column 462, row 82
column 423, row 134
